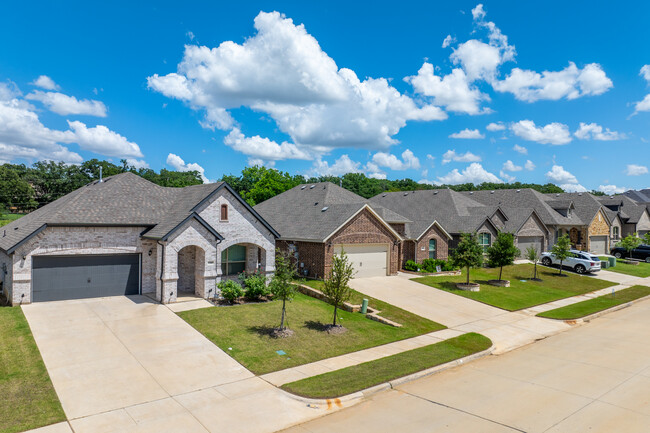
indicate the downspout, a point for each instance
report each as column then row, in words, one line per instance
column 162, row 272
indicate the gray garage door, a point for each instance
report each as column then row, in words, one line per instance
column 75, row 277
column 523, row 242
column 598, row 244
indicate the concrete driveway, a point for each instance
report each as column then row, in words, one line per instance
column 131, row 365
column 595, row 378
column 507, row 330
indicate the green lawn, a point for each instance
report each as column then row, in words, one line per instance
column 522, row 293
column 27, row 397
column 7, row 218
column 387, row 310
column 591, row 306
column 641, row 270
column 244, row 328
column 357, row 377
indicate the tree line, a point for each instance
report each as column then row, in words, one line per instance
column 25, row 188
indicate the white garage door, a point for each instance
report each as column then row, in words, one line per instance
column 524, row 242
column 367, row 260
column 598, row 244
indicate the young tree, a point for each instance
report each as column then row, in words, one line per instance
column 646, row 238
column 503, row 251
column 468, row 254
column 561, row 249
column 282, row 282
column 336, row 288
column 533, row 255
column 630, row 242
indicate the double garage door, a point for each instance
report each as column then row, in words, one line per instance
column 367, row 260
column 524, row 242
column 56, row 278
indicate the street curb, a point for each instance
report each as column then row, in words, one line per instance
column 590, row 317
column 391, row 384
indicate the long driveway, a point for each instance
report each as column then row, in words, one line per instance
column 507, row 330
column 595, row 379
column 128, row 364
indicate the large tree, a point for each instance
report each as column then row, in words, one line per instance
column 468, row 254
column 15, row 192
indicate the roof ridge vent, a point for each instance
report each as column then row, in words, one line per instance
column 557, row 194
column 491, row 192
column 406, row 193
column 471, row 192
column 435, row 192
column 383, row 195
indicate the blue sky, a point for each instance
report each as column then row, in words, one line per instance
column 559, row 93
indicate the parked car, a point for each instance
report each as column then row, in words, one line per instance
column 642, row 252
column 580, row 261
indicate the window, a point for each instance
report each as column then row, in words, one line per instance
column 484, row 240
column 615, row 232
column 224, row 212
column 432, row 248
column 568, row 213
column 233, row 260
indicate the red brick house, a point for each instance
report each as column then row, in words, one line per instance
column 315, row 221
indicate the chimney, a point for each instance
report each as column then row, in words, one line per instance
column 101, row 178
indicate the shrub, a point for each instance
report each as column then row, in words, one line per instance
column 410, row 265
column 430, row 265
column 230, row 290
column 254, row 286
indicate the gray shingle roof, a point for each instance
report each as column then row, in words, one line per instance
column 455, row 212
column 313, row 212
column 640, row 196
column 629, row 210
column 123, row 199
column 586, row 205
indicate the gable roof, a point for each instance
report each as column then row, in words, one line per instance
column 640, row 196
column 125, row 199
column 586, row 205
column 313, row 212
column 630, row 211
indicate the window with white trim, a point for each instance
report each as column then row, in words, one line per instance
column 233, row 260
column 432, row 248
column 484, row 240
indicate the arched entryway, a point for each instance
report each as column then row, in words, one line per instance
column 191, row 271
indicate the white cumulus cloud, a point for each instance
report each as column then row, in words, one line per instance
column 408, row 161
column 177, row 163
column 553, row 133
column 344, row 164
column 565, row 180
column 495, row 126
column 636, row 170
column 467, row 133
column 570, row 83
column 474, row 173
column 448, row 41
column 594, row 131
column 529, row 165
column 507, row 177
column 510, row 166
column 643, row 105
column 100, row 139
column 611, row 189
column 45, row 82
column 451, row 155
column 520, row 149
column 65, row 104
column 263, row 148
column 645, row 72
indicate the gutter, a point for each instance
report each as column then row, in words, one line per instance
column 162, row 271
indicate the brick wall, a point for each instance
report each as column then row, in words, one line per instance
column 310, row 254
column 442, row 245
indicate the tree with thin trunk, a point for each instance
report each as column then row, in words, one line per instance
column 646, row 238
column 336, row 288
column 468, row 254
column 281, row 285
column 503, row 251
column 630, row 243
column 562, row 249
column 533, row 255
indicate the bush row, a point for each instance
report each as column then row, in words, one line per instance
column 252, row 286
column 429, row 265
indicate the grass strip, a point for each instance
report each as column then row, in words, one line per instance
column 27, row 397
column 358, row 377
column 641, row 270
column 523, row 292
column 591, row 306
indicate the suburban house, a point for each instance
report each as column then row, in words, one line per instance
column 439, row 217
column 639, row 196
column 632, row 217
column 126, row 235
column 316, row 221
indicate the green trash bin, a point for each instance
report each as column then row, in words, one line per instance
column 612, row 261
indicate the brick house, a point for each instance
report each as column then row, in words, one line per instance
column 316, row 221
column 126, row 235
column 627, row 216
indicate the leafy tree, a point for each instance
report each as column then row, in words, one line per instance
column 561, row 249
column 503, row 251
column 15, row 191
column 468, row 254
column 336, row 288
column 630, row 242
column 259, row 183
column 533, row 255
column 646, row 238
column 282, row 282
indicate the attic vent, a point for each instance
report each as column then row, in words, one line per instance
column 383, row 195
column 316, row 204
column 435, row 192
column 580, row 193
column 303, row 187
column 491, row 192
column 406, row 193
column 471, row 192
column 518, row 190
column 312, row 187
column 557, row 195
column 324, row 209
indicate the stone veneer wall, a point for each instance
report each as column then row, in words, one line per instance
column 598, row 227
column 77, row 240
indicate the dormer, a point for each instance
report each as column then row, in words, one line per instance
column 563, row 207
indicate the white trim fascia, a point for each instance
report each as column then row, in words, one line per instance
column 435, row 222
column 381, row 220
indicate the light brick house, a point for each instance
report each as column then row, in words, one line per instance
column 316, row 221
column 126, row 235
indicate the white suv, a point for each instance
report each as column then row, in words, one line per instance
column 580, row 261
